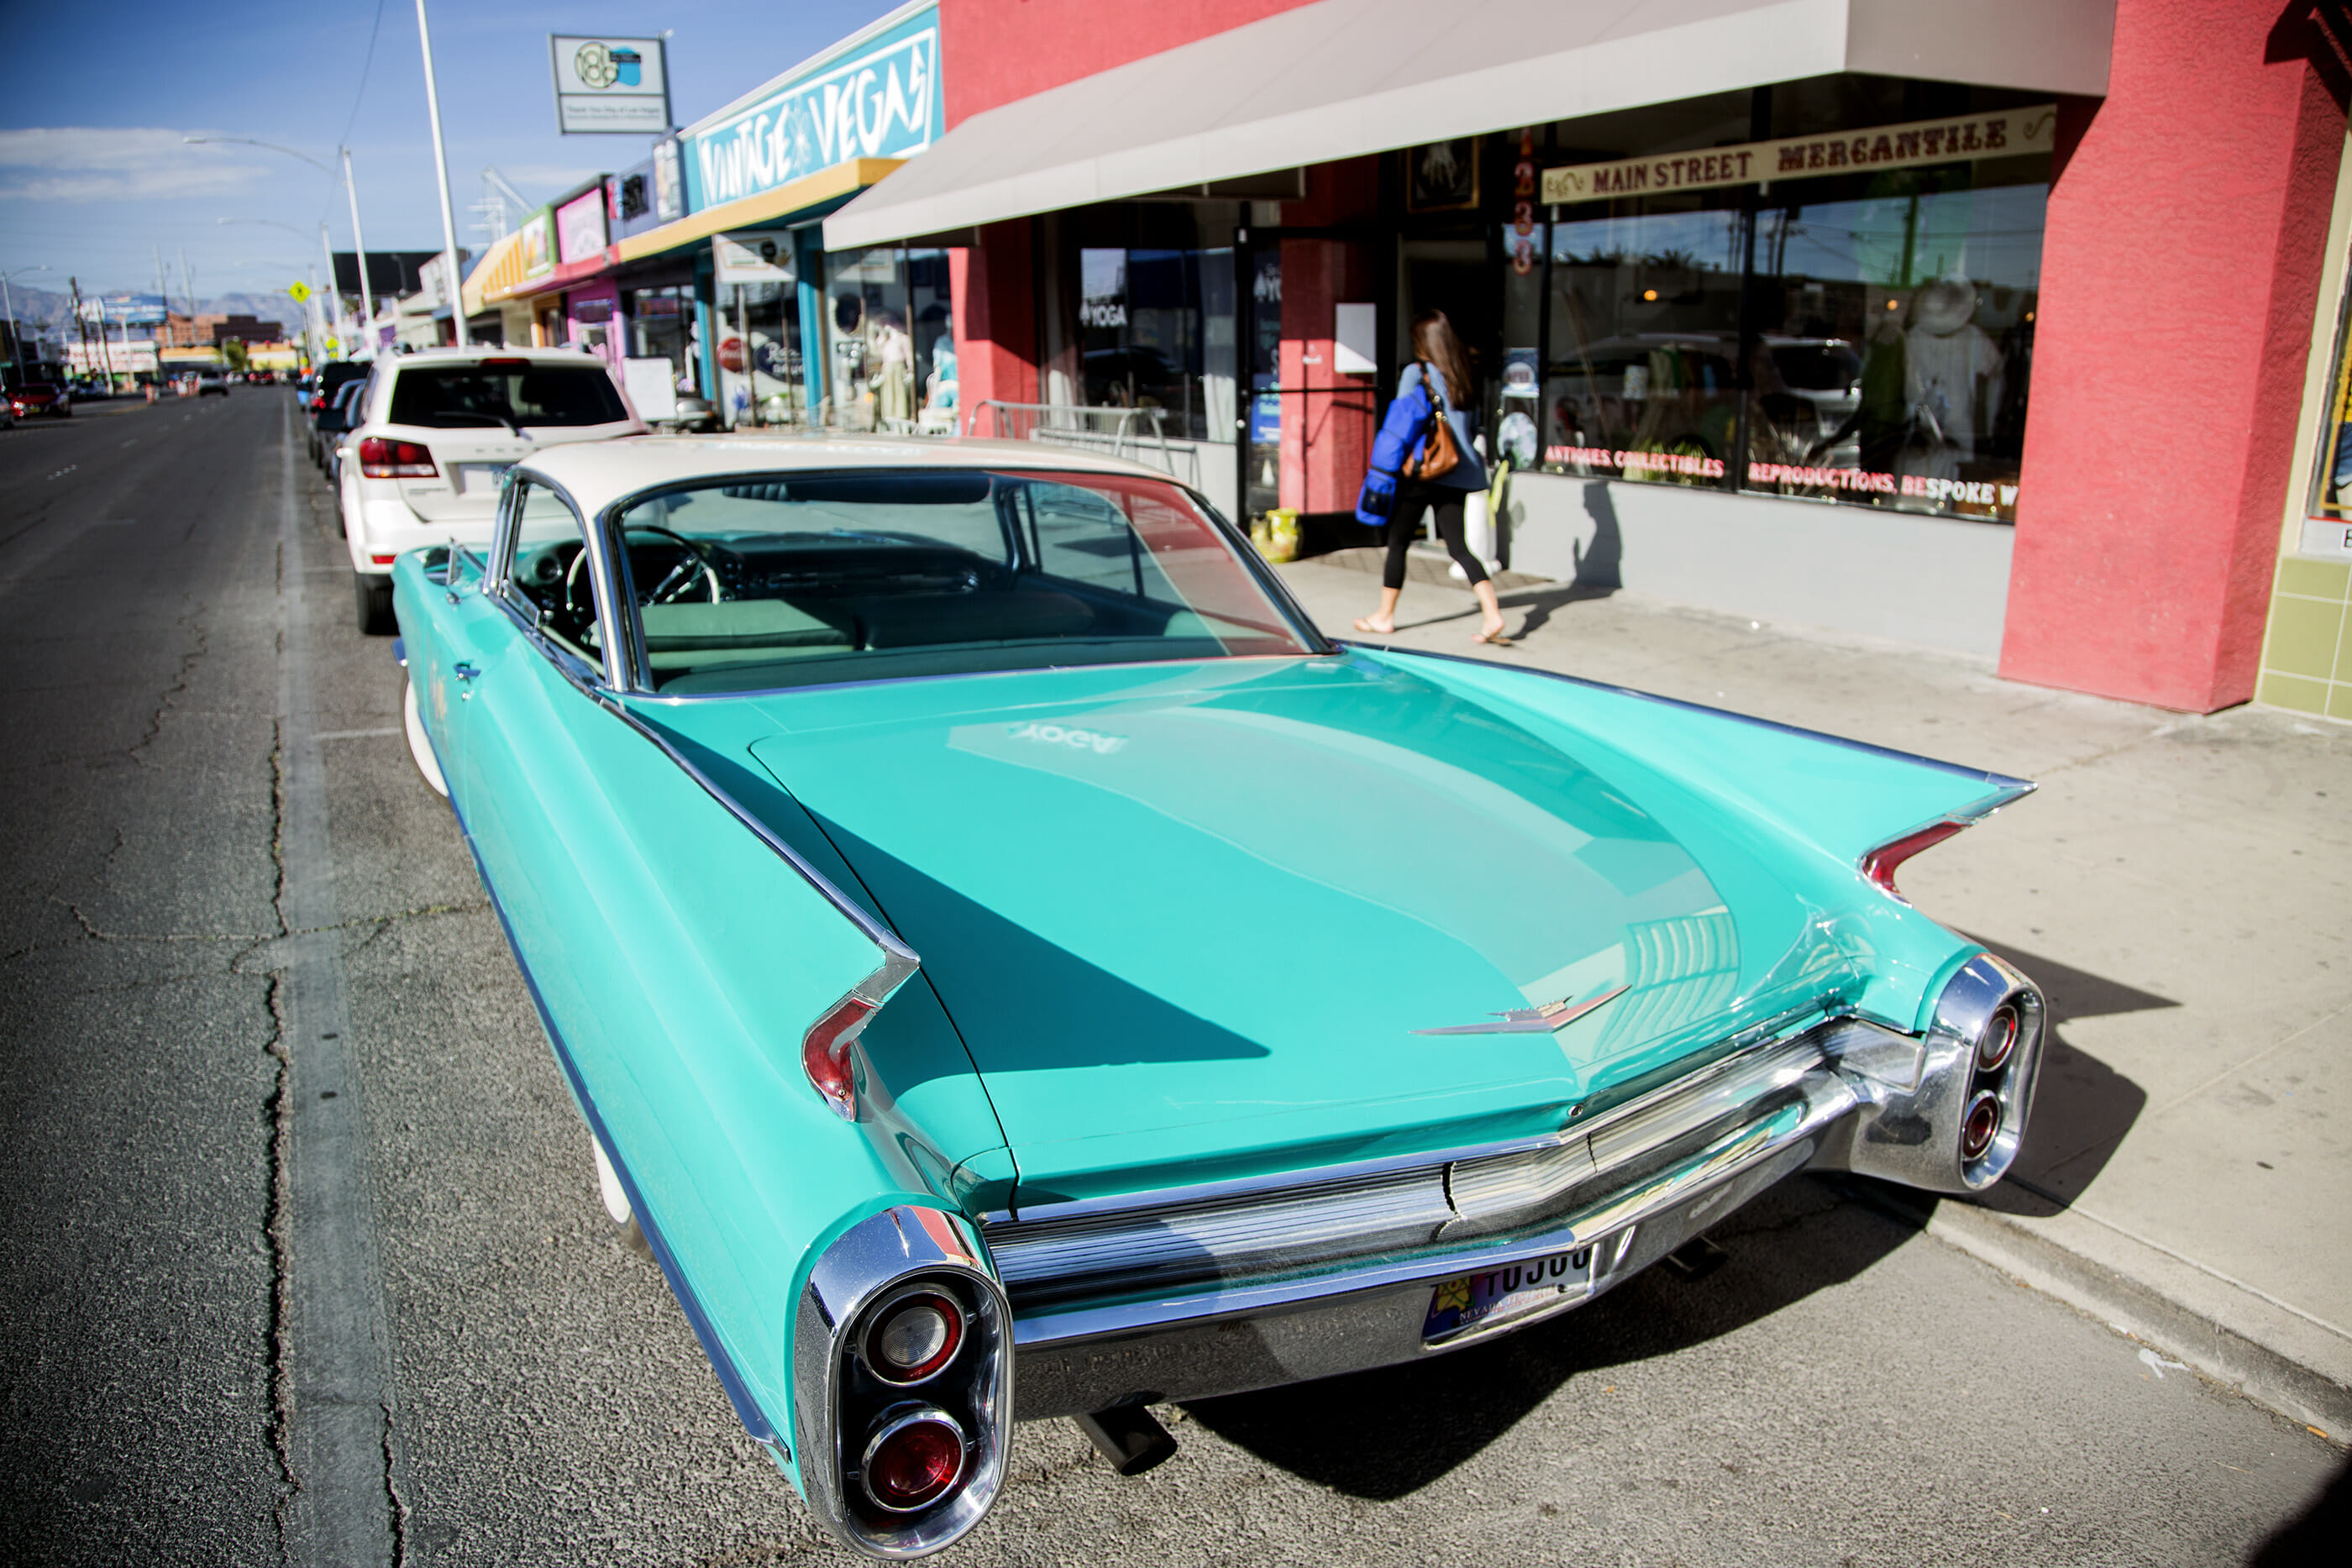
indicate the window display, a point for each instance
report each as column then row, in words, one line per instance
column 889, row 333
column 2327, row 527
column 661, row 327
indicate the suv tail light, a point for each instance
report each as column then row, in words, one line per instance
column 384, row 459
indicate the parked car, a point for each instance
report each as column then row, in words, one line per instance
column 43, row 398
column 435, row 437
column 211, row 383
column 319, row 390
column 882, row 834
column 333, row 427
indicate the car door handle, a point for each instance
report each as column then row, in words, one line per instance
column 464, row 672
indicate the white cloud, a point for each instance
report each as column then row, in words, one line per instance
column 84, row 163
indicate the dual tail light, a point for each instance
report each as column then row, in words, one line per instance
column 381, row 459
column 1980, row 1124
column 915, row 1455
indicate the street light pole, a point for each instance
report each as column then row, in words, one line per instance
column 441, row 176
column 359, row 249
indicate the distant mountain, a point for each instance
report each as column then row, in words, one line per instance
column 50, row 310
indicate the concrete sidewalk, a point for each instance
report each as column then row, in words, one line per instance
column 2180, row 887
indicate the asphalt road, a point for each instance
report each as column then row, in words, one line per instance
column 1842, row 1390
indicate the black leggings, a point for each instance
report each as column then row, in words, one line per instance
column 1413, row 498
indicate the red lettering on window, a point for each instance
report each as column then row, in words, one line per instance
column 1996, row 133
column 1881, row 151
column 1813, row 156
column 1906, row 144
column 1791, row 158
column 1837, row 154
column 1970, row 139
column 1933, row 135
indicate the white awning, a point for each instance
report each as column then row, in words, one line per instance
column 1343, row 77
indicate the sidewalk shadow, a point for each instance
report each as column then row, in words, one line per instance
column 1539, row 602
column 1409, row 1426
column 2303, row 1539
column 2082, row 1107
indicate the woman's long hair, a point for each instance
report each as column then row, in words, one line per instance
column 1434, row 340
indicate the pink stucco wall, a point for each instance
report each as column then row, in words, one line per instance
column 2180, row 278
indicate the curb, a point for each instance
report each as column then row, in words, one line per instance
column 2307, row 1378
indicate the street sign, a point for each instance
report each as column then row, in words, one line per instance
column 299, row 290
column 609, row 85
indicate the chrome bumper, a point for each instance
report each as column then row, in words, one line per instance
column 1632, row 1185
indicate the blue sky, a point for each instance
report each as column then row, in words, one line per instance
column 94, row 175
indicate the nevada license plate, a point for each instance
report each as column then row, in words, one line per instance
column 476, row 478
column 1498, row 1295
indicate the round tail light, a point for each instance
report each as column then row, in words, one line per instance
column 915, row 1458
column 1999, row 1040
column 911, row 1336
column 1980, row 1126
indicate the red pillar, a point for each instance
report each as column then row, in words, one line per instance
column 993, row 292
column 1327, row 430
column 2180, row 272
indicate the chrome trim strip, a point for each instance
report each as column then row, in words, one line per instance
column 1825, row 1098
column 1334, row 1220
column 1779, row 1027
column 2005, row 788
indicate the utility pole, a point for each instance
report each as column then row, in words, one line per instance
column 359, row 250
column 188, row 288
column 81, row 327
column 441, row 183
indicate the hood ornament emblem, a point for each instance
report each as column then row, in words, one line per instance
column 1545, row 1020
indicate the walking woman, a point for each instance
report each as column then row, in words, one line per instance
column 1436, row 350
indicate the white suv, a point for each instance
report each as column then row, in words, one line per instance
column 435, row 435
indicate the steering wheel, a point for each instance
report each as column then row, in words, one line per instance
column 670, row 590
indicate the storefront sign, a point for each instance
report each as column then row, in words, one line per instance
column 604, row 85
column 538, row 245
column 580, row 227
column 880, row 101
column 670, row 183
column 2006, row 133
column 752, row 258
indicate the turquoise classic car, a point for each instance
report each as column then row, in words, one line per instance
column 1012, row 965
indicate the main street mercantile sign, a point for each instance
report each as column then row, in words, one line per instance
column 2006, row 133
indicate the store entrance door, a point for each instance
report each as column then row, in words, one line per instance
column 1455, row 277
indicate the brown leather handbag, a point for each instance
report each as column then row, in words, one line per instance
column 1438, row 452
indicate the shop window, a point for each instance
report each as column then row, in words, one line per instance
column 889, row 332
column 1895, row 341
column 1156, row 330
column 661, row 327
column 759, row 354
column 1640, row 376
column 2328, row 520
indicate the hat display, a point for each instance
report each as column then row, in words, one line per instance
column 1944, row 307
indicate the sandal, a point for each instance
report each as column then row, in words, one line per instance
column 1498, row 638
column 1365, row 626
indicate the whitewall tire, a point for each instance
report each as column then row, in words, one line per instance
column 615, row 1197
column 420, row 746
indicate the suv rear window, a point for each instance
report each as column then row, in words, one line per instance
column 468, row 397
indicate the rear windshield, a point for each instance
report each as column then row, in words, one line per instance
column 801, row 579
column 470, row 397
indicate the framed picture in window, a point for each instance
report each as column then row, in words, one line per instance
column 1442, row 176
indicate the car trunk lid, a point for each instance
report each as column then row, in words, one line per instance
column 1193, row 923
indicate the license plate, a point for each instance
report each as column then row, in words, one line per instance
column 476, row 478
column 1498, row 1295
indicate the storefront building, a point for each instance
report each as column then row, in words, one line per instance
column 1830, row 311
column 703, row 270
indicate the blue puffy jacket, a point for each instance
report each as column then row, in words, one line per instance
column 1418, row 398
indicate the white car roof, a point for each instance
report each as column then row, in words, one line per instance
column 474, row 352
column 598, row 473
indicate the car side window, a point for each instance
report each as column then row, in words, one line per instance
column 548, row 582
column 1081, row 537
